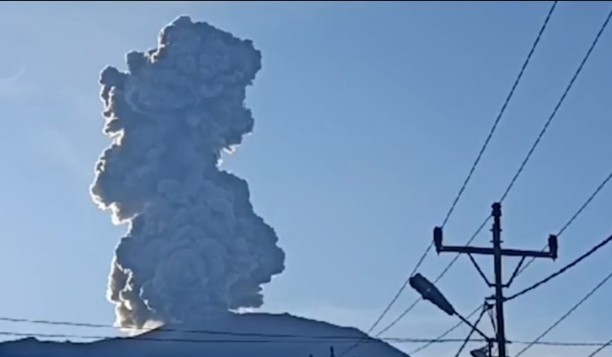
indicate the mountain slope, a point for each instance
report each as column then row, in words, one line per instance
column 292, row 336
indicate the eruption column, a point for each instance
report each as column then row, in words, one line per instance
column 194, row 248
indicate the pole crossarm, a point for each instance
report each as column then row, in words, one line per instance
column 490, row 251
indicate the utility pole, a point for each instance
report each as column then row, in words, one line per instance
column 498, row 253
column 499, row 289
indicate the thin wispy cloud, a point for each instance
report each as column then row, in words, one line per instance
column 64, row 152
column 16, row 85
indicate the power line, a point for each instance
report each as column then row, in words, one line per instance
column 601, row 348
column 153, row 339
column 556, row 109
column 401, row 316
column 585, row 204
column 499, row 116
column 524, row 163
column 436, row 280
column 477, row 232
column 383, row 314
column 391, row 303
column 188, row 340
column 538, row 140
column 323, row 338
column 563, row 344
column 561, row 231
column 575, row 215
column 524, row 291
column 385, row 311
column 143, row 338
column 204, row 332
column 232, row 341
column 526, row 160
column 445, row 333
column 388, row 307
column 164, row 329
column 468, row 178
column 472, row 330
column 561, row 271
column 567, row 314
column 545, row 128
column 491, row 132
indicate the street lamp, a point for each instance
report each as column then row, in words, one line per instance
column 428, row 291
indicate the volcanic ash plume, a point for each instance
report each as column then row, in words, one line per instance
column 194, row 249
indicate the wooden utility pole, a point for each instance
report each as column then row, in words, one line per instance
column 498, row 253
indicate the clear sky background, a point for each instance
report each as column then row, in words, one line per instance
column 368, row 116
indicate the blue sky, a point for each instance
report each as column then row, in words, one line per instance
column 368, row 116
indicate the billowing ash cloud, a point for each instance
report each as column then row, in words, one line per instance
column 194, row 248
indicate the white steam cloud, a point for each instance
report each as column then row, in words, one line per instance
column 194, row 249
